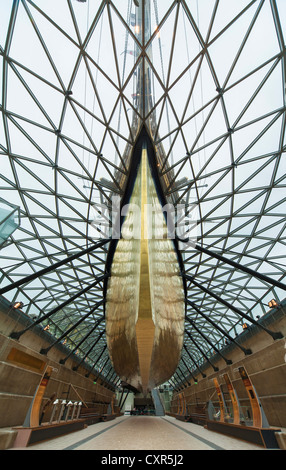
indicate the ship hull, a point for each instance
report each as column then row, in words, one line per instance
column 145, row 306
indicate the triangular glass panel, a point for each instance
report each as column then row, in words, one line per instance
column 282, row 15
column 263, row 27
column 127, row 48
column 64, row 58
column 266, row 135
column 61, row 17
column 22, row 45
column 133, row 93
column 201, row 91
column 226, row 12
column 269, row 98
column 5, row 15
column 25, row 102
column 99, row 43
column 224, row 49
column 257, row 177
column 237, row 95
column 186, row 47
column 202, row 13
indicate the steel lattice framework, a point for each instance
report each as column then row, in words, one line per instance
column 70, row 118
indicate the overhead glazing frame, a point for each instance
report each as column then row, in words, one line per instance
column 237, row 290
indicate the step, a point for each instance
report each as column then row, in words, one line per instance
column 281, row 439
column 7, row 438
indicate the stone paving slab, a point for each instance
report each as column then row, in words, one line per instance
column 144, row 433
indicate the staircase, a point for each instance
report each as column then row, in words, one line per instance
column 159, row 409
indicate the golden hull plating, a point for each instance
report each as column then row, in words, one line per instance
column 145, row 296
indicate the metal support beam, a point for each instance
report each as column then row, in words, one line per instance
column 112, row 378
column 173, row 383
column 236, row 265
column 190, row 372
column 184, row 378
column 44, row 271
column 180, row 385
column 108, row 373
column 227, row 361
column 275, row 335
column 99, row 372
column 18, row 334
column 201, row 351
column 121, row 398
column 63, row 361
column 75, row 325
column 91, row 348
column 215, row 325
column 192, row 359
column 124, row 401
column 97, row 360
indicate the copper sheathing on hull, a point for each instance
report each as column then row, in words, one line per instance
column 145, row 295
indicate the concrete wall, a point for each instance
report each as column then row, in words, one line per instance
column 266, row 367
column 18, row 382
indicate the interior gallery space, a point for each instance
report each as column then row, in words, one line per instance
column 142, row 227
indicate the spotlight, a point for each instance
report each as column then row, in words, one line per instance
column 18, row 305
column 273, row 303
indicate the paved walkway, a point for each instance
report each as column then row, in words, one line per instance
column 144, row 433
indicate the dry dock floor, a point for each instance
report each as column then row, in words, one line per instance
column 144, row 433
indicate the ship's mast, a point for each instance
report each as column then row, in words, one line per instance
column 143, row 33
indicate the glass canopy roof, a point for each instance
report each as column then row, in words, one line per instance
column 70, row 114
